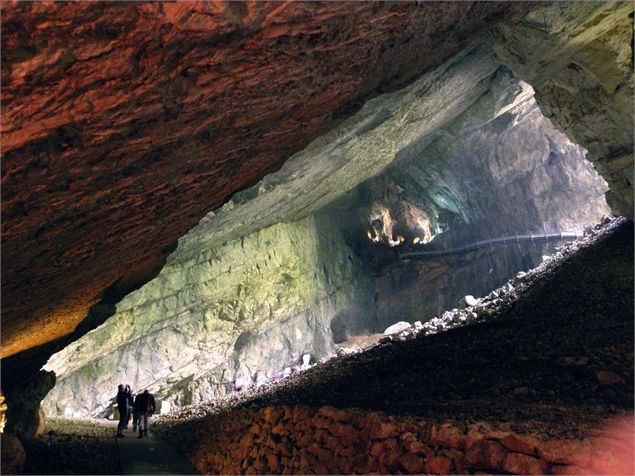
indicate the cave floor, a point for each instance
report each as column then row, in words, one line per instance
column 89, row 447
column 150, row 455
column 73, row 447
column 556, row 364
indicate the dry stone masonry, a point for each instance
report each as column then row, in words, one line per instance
column 327, row 440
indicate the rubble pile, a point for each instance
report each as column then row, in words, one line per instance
column 326, row 440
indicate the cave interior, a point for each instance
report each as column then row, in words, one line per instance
column 329, row 238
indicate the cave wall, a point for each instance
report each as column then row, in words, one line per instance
column 254, row 303
column 260, row 280
column 361, row 147
column 578, row 56
column 497, row 169
column 124, row 123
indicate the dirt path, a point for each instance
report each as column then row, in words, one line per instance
column 150, row 455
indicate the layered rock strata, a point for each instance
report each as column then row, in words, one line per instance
column 252, row 304
column 578, row 56
column 124, row 123
column 327, row 440
column 262, row 279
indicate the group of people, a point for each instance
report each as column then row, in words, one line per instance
column 140, row 408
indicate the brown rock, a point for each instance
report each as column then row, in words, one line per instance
column 301, row 413
column 271, row 414
column 471, row 437
column 361, row 462
column 413, row 463
column 280, row 429
column 438, row 465
column 448, row 436
column 273, row 464
column 381, row 430
column 605, row 377
column 408, row 436
column 486, row 454
column 392, row 453
column 347, row 434
column 377, row 449
column 332, row 443
column 416, row 447
column 13, row 455
column 565, row 452
column 333, row 413
column 458, row 460
column 520, row 444
column 496, row 435
column 517, row 463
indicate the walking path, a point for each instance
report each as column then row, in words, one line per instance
column 150, row 455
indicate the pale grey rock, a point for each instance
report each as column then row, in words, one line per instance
column 468, row 301
column 397, row 328
column 262, row 280
column 578, row 58
column 251, row 304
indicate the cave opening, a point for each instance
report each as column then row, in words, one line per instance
column 436, row 280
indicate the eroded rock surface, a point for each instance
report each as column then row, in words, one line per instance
column 263, row 278
column 255, row 303
column 578, row 56
column 124, row 123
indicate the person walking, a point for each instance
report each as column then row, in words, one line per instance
column 122, row 406
column 130, row 404
column 144, row 406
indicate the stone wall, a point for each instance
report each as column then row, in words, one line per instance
column 418, row 290
column 303, row 440
column 578, row 56
column 251, row 304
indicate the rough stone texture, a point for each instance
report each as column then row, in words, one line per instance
column 578, row 57
column 505, row 170
column 124, row 123
column 304, row 440
column 395, row 126
column 361, row 147
column 576, row 319
column 13, row 455
column 252, row 304
column 24, row 417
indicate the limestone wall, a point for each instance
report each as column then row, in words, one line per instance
column 578, row 56
column 250, row 304
column 303, row 440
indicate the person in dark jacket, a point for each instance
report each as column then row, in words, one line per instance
column 144, row 406
column 122, row 406
column 130, row 404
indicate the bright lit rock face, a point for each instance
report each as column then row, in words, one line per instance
column 264, row 278
column 124, row 123
column 498, row 169
column 578, row 56
column 253, row 303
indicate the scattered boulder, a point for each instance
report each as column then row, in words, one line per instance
column 517, row 463
column 467, row 301
column 397, row 328
column 605, row 377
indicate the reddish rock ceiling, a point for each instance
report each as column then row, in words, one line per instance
column 124, row 123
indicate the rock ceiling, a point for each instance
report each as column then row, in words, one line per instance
column 123, row 124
